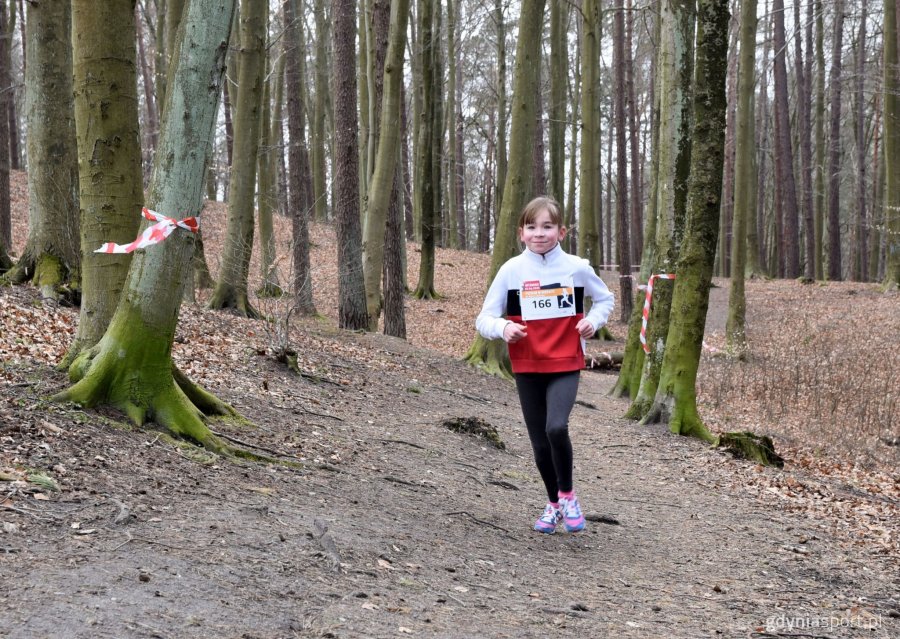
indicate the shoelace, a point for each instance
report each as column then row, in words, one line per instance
column 572, row 509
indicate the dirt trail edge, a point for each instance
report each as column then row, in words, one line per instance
column 396, row 526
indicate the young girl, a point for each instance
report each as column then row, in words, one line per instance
column 541, row 294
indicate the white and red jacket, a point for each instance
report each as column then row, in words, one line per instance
column 552, row 345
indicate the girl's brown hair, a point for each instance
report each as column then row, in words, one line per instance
column 534, row 208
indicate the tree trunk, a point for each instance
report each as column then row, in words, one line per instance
column 51, row 256
column 268, row 182
column 784, row 156
column 429, row 134
column 492, row 356
column 891, row 98
column 559, row 72
column 152, row 128
column 723, row 255
column 861, row 255
column 299, row 190
column 835, row 271
column 394, row 266
column 452, row 159
column 351, row 286
column 588, row 233
column 804, row 112
column 317, row 134
column 501, row 148
column 640, row 375
column 5, row 91
column 745, row 182
column 574, row 99
column 539, row 176
column 637, row 198
column 131, row 367
column 15, row 155
column 676, row 399
column 622, row 222
column 231, row 289
column 819, row 200
column 756, row 244
column 382, row 189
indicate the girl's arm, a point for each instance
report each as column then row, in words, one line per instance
column 602, row 298
column 490, row 321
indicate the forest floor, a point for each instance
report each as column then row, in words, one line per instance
column 393, row 525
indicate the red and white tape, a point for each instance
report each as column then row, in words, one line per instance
column 152, row 234
column 646, row 313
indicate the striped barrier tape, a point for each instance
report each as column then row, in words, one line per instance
column 646, row 313
column 152, row 234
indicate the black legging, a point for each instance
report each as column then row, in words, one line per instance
column 547, row 400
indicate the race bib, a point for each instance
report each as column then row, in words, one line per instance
column 548, row 300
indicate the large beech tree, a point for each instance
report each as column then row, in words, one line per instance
column 109, row 155
column 131, row 367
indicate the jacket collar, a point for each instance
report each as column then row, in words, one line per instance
column 550, row 256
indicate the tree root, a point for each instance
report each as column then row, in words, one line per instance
column 231, row 297
column 426, row 294
column 490, row 357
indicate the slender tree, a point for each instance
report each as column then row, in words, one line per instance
column 429, row 160
column 804, row 133
column 300, row 203
column 5, row 93
column 819, row 199
column 861, row 255
column 589, row 195
column 835, row 272
column 623, row 244
column 784, row 156
column 320, row 108
column 559, row 64
column 351, row 286
column 735, row 332
column 381, row 192
column 492, row 356
column 231, row 288
column 51, row 257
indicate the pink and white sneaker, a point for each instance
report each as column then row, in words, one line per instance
column 547, row 522
column 572, row 517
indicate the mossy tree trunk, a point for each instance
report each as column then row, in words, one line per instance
column 745, row 182
column 51, row 257
column 891, row 98
column 386, row 162
column 502, row 146
column 676, row 398
column 492, row 356
column 131, row 367
column 675, row 65
column 231, row 289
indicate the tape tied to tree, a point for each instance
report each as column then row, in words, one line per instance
column 152, row 234
column 646, row 312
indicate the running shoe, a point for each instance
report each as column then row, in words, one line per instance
column 546, row 523
column 572, row 517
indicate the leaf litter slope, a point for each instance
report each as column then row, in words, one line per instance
column 144, row 538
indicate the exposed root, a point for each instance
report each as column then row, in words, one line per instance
column 426, row 294
column 490, row 357
column 231, row 297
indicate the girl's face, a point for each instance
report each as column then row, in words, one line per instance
column 541, row 234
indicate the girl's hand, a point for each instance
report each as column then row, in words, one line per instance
column 585, row 328
column 513, row 332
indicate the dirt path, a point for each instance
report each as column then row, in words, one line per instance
column 432, row 527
